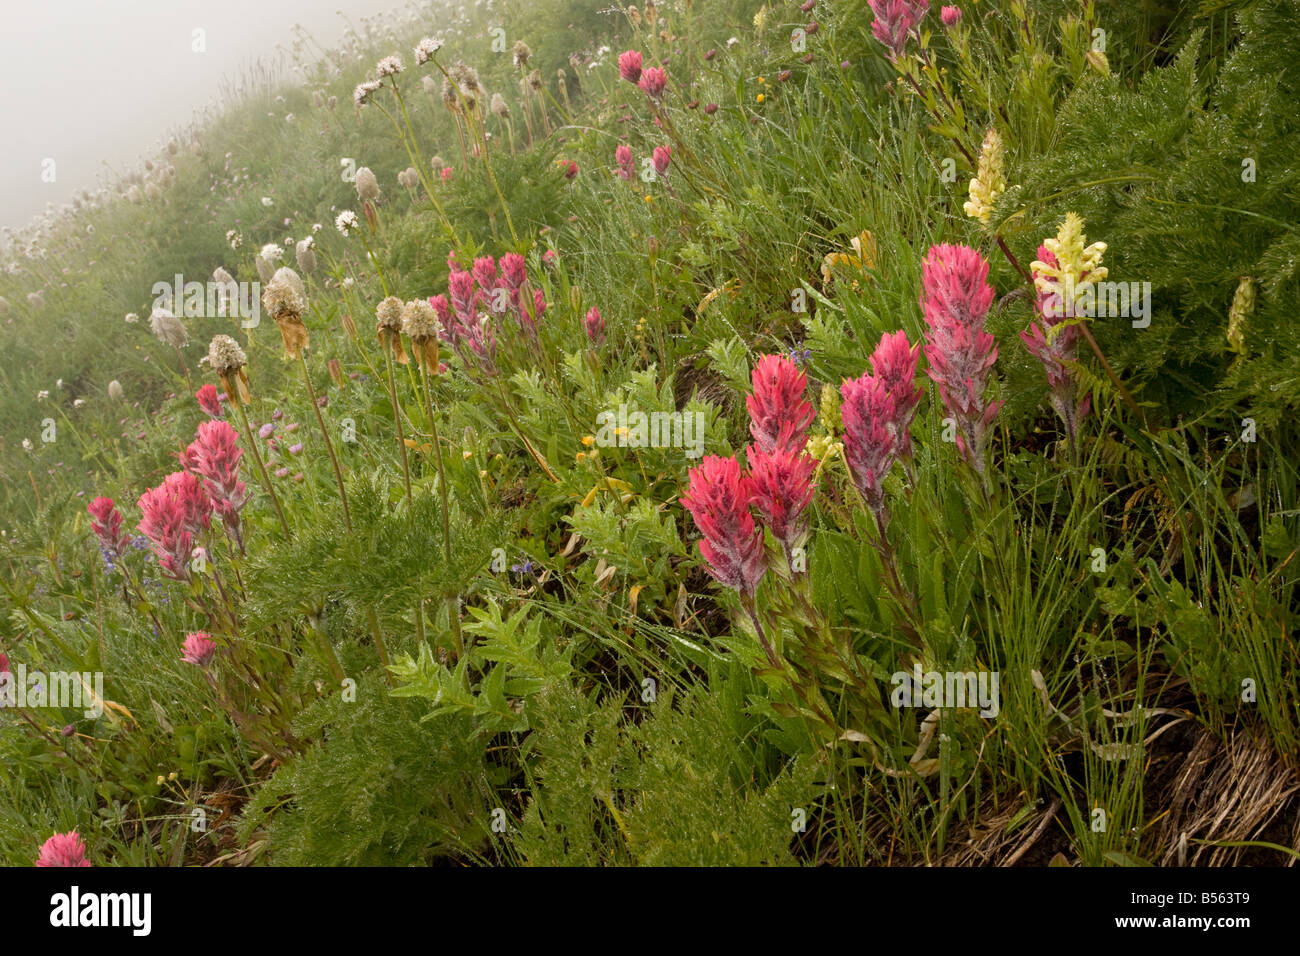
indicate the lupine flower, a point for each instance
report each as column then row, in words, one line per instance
column 956, row 297
column 629, row 66
column 950, row 16
column 718, row 499
column 990, row 181
column 623, row 156
column 106, row 523
column 63, row 849
column 782, row 489
column 198, row 649
column 779, row 414
column 653, row 80
column 172, row 515
column 895, row 21
column 661, row 157
column 895, row 362
column 209, row 401
column 595, row 326
column 870, row 418
column 214, row 455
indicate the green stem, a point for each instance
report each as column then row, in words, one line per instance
column 261, row 468
column 329, row 447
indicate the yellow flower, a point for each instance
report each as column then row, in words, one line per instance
column 467, row 455
column 1243, row 304
column 580, row 457
column 588, row 440
column 760, row 97
column 1077, row 266
column 649, row 198
column 989, row 182
column 863, row 256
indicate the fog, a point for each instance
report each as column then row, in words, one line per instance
column 93, row 82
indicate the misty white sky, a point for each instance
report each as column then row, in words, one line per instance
column 86, row 81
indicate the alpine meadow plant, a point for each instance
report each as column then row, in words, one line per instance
column 956, row 297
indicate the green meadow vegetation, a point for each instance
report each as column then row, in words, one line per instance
column 608, row 466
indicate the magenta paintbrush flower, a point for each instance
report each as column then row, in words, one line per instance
column 950, row 16
column 198, row 649
column 782, row 489
column 485, row 274
column 514, row 271
column 718, row 499
column 63, row 849
column 623, row 156
column 209, row 401
column 629, row 65
column 895, row 363
column 661, row 157
column 653, row 80
column 870, row 417
column 956, row 297
column 443, row 310
column 895, row 21
column 779, row 414
column 215, row 454
column 595, row 326
column 106, row 522
column 173, row 514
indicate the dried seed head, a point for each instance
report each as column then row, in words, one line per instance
column 169, row 329
column 367, row 185
column 225, row 355
column 522, row 53
column 228, row 360
column 419, row 321
column 388, row 314
column 499, row 107
column 305, row 254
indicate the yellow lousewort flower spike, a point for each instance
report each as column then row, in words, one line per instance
column 1074, row 260
column 1243, row 304
column 990, row 180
